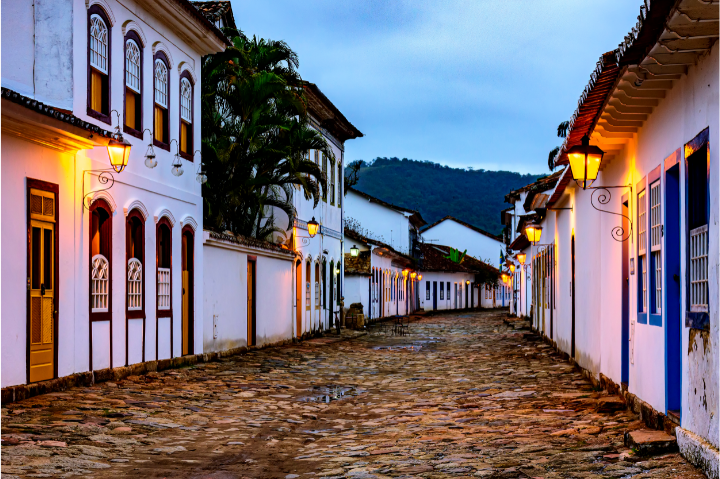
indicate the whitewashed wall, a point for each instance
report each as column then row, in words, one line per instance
column 384, row 224
column 452, row 233
column 225, row 301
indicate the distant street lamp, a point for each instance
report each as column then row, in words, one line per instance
column 533, row 232
column 521, row 257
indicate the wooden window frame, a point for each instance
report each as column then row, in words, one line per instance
column 188, row 156
column 160, row 55
column 51, row 188
column 135, row 313
column 107, row 315
column 162, row 313
column 188, row 231
column 136, row 132
column 97, row 10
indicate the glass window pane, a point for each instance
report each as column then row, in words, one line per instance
column 48, row 259
column 35, row 258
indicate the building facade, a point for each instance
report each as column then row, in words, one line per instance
column 477, row 242
column 634, row 255
column 100, row 268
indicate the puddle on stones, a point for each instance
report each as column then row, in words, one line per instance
column 327, row 394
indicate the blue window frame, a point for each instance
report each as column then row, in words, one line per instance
column 642, row 282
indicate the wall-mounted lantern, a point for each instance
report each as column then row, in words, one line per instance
column 585, row 162
column 313, row 227
column 354, row 251
column 118, row 149
column 119, row 153
column 512, row 267
column 533, row 232
column 467, row 282
column 413, row 274
column 521, row 257
column 405, row 273
column 504, row 276
column 419, row 277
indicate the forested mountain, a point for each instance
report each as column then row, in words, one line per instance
column 474, row 196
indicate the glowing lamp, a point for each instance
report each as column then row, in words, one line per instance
column 512, row 267
column 354, row 251
column 521, row 257
column 119, row 153
column 504, row 277
column 313, row 227
column 585, row 162
column 419, row 277
column 413, row 274
column 405, row 273
column 533, row 232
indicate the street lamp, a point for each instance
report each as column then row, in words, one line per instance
column 413, row 274
column 521, row 257
column 405, row 273
column 313, row 227
column 119, row 153
column 419, row 277
column 354, row 251
column 533, row 232
column 585, row 162
column 512, row 267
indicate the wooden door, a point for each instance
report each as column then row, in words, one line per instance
column 251, row 303
column 298, row 299
column 188, row 273
column 41, row 285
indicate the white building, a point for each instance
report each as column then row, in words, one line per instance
column 635, row 269
column 100, row 274
column 318, row 268
column 479, row 243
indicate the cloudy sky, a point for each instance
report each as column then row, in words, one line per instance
column 477, row 83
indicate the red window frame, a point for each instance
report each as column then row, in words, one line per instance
column 136, row 132
column 191, row 144
column 97, row 10
column 162, row 313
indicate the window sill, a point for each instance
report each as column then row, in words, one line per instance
column 135, row 314
column 642, row 318
column 186, row 156
column 132, row 132
column 99, row 116
column 655, row 320
column 161, row 145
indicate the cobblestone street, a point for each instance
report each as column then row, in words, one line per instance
column 461, row 395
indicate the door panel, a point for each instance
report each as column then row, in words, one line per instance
column 41, row 288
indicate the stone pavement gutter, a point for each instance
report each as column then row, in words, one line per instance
column 20, row 392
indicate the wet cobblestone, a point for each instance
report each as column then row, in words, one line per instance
column 461, row 396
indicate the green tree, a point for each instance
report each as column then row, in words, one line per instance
column 256, row 137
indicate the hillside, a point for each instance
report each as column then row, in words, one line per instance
column 474, row 196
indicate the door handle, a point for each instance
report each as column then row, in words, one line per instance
column 42, row 289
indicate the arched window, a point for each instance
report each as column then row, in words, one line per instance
column 135, row 253
column 161, row 80
column 133, row 84
column 325, row 175
column 100, row 261
column 332, row 182
column 163, row 252
column 99, row 48
column 186, row 116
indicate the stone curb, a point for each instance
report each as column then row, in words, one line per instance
column 699, row 453
column 12, row 394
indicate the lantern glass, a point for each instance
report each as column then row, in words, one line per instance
column 467, row 282
column 313, row 227
column 419, row 277
column 533, row 232
column 354, row 251
column 521, row 257
column 504, row 278
column 413, row 274
column 585, row 162
column 405, row 273
column 512, row 268
column 119, row 153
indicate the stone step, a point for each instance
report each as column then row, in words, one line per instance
column 649, row 442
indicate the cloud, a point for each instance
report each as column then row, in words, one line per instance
column 480, row 83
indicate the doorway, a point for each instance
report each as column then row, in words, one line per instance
column 434, row 299
column 625, row 326
column 673, row 330
column 188, row 267
column 42, row 281
column 251, row 317
column 572, row 294
column 298, row 299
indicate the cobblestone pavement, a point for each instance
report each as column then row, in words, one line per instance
column 461, row 395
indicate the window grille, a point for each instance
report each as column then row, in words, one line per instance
column 132, row 66
column 98, row 44
column 186, row 100
column 99, row 284
column 163, row 288
column 161, row 90
column 657, row 262
column 134, row 284
column 317, row 294
column 699, row 269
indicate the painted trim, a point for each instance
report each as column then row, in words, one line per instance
column 165, row 213
column 186, row 67
column 133, row 35
column 103, row 196
column 164, row 57
column 158, row 47
column 132, row 26
column 101, row 11
column 105, row 7
column 673, row 159
column 137, row 205
column 654, row 175
column 189, row 221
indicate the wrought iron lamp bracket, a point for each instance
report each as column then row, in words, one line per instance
column 618, row 232
column 105, row 176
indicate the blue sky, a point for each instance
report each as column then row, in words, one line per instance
column 479, row 84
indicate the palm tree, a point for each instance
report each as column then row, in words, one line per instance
column 256, row 137
column 562, row 131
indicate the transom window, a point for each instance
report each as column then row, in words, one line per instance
column 161, row 90
column 98, row 43
column 132, row 66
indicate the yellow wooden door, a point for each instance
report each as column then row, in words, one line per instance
column 41, row 279
column 185, row 310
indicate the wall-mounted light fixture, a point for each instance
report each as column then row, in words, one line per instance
column 533, row 232
column 354, row 251
column 419, row 277
column 521, row 257
column 150, row 157
column 405, row 273
column 118, row 153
